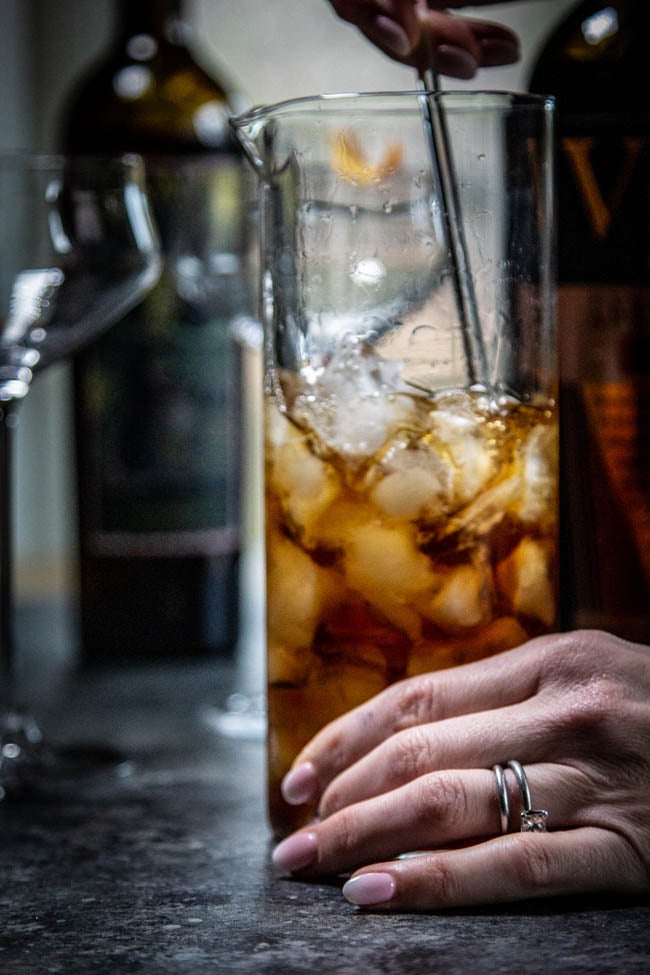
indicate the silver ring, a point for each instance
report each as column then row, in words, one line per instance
column 532, row 820
column 502, row 795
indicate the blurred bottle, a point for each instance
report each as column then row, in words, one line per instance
column 595, row 63
column 157, row 399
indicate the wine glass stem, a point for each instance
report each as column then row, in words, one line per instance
column 7, row 644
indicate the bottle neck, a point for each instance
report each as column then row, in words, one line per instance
column 162, row 19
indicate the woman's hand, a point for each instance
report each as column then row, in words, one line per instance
column 410, row 770
column 411, row 32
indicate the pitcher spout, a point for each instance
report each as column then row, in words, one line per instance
column 250, row 130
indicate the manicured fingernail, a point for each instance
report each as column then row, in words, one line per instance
column 369, row 889
column 300, row 785
column 389, row 34
column 296, row 852
column 455, row 61
column 495, row 52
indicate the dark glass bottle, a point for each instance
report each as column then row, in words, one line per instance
column 157, row 399
column 595, row 63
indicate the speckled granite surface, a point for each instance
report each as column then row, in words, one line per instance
column 166, row 870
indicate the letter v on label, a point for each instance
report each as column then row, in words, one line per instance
column 600, row 211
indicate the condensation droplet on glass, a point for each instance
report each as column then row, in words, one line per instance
column 421, row 334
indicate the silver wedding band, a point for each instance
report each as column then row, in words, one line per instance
column 504, row 799
column 531, row 820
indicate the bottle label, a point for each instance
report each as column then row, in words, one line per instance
column 159, row 395
column 605, row 416
column 602, row 184
column 613, row 410
column 601, row 205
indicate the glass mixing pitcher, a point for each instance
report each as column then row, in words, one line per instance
column 410, row 388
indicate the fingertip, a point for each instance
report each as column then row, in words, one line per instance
column 296, row 852
column 456, row 62
column 388, row 35
column 370, row 889
column 300, row 785
column 496, row 52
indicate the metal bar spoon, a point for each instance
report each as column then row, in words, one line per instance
column 438, row 141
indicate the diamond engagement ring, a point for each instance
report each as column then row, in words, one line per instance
column 532, row 820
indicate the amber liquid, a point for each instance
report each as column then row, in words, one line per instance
column 438, row 549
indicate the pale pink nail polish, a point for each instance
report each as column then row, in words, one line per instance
column 389, row 34
column 369, row 889
column 496, row 52
column 296, row 852
column 300, row 785
column 455, row 61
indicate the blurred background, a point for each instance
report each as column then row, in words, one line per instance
column 270, row 50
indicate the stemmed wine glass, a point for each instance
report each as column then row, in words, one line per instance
column 77, row 250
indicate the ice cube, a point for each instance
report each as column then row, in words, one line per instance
column 286, row 665
column 463, row 601
column 524, row 579
column 410, row 493
column 411, row 478
column 357, row 368
column 344, row 685
column 299, row 592
column 366, row 637
column 383, row 565
column 306, row 484
column 539, row 476
column 278, row 427
column 503, row 633
column 484, row 513
column 356, row 401
column 341, row 521
column 355, row 426
column 461, row 434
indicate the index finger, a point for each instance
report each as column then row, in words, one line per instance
column 459, row 45
column 505, row 679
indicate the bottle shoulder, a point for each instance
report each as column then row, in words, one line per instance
column 596, row 59
column 168, row 103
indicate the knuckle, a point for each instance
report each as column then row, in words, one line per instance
column 332, row 747
column 415, row 702
column 591, row 708
column 561, row 655
column 443, row 882
column 533, row 864
column 574, row 655
column 330, row 803
column 412, row 753
column 346, row 835
column 441, row 798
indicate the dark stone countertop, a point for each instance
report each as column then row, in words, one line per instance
column 166, row 869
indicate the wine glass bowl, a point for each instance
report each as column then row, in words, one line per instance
column 78, row 249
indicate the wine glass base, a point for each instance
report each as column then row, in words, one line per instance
column 31, row 767
column 242, row 717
